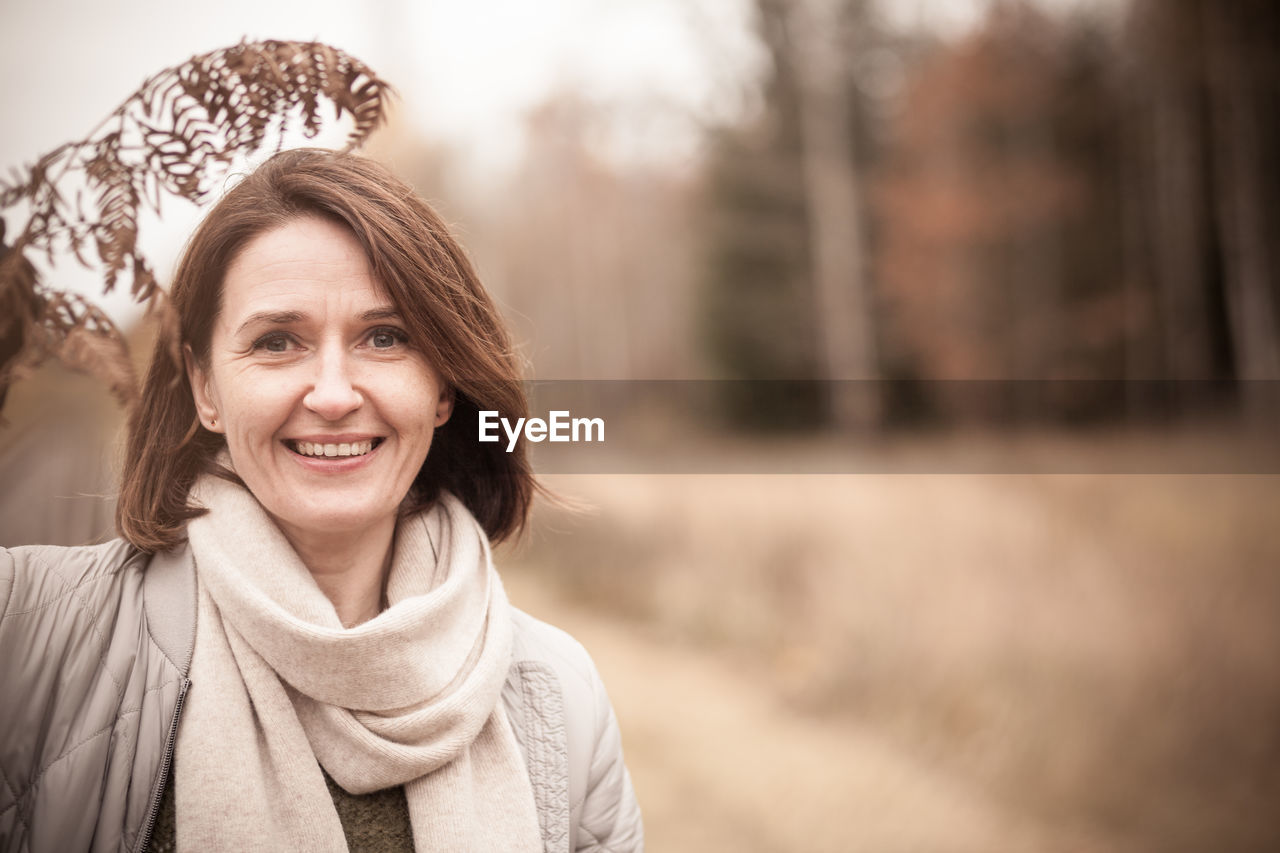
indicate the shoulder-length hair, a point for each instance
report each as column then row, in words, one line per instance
column 426, row 274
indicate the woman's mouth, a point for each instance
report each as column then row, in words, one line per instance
column 342, row 448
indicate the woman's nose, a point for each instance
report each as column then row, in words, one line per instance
column 332, row 395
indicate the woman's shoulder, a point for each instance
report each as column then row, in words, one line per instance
column 557, row 673
column 603, row 813
column 83, row 674
column 80, row 562
column 36, row 576
column 555, row 680
column 538, row 641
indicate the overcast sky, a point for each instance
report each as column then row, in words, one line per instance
column 468, row 69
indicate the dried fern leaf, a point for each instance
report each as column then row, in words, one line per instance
column 176, row 135
column 83, row 338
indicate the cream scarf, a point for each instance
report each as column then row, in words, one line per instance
column 411, row 697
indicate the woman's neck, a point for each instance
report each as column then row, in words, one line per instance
column 351, row 570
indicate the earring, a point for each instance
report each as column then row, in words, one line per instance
column 213, row 422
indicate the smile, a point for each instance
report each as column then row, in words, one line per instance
column 315, row 448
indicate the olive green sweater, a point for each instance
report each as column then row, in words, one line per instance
column 373, row 823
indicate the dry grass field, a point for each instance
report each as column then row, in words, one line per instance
column 928, row 661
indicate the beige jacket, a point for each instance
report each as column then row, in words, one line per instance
column 95, row 644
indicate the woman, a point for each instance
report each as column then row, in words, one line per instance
column 300, row 642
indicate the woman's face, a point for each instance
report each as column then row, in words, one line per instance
column 327, row 409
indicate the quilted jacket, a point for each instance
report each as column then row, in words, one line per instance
column 95, row 645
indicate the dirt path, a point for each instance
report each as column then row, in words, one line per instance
column 720, row 764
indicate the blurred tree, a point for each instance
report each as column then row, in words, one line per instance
column 826, row 35
column 591, row 254
column 1047, row 199
column 1205, row 83
column 787, row 294
column 1000, row 215
column 1168, row 145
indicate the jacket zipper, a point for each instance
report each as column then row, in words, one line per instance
column 157, row 794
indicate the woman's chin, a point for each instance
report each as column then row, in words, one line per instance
column 334, row 523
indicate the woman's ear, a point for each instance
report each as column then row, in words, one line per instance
column 444, row 405
column 206, row 406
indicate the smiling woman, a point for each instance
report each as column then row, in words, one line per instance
column 309, row 645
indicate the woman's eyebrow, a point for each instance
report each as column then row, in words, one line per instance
column 388, row 313
column 273, row 318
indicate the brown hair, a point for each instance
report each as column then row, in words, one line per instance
column 448, row 316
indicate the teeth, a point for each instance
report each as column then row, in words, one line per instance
column 313, row 448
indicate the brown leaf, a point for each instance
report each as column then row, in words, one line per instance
column 178, row 132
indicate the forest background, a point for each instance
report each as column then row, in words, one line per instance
column 1003, row 272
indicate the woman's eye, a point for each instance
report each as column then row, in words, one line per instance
column 272, row 343
column 386, row 338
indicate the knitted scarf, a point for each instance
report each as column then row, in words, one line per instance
column 280, row 688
